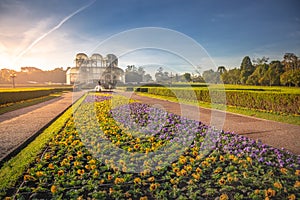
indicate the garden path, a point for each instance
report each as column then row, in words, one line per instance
column 276, row 134
column 19, row 126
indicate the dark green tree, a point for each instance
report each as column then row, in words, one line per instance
column 246, row 69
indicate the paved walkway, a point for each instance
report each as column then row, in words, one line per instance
column 269, row 132
column 19, row 125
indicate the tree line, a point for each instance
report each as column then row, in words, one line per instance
column 259, row 72
column 33, row 75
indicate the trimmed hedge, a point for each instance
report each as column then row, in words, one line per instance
column 262, row 100
column 17, row 96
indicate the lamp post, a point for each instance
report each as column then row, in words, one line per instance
column 13, row 76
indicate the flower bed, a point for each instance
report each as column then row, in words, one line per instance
column 116, row 148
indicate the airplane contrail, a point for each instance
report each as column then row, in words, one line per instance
column 53, row 29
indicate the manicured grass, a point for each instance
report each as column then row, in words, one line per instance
column 285, row 118
column 13, row 169
column 15, row 106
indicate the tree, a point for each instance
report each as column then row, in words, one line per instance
column 291, row 77
column 246, row 69
column 273, row 73
column 258, row 76
column 290, row 61
column 187, row 77
column 231, row 76
column 210, row 76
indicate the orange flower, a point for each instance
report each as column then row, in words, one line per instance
column 144, row 198
column 119, row 180
column 51, row 166
column 224, row 197
column 297, row 172
column 297, row 184
column 39, row 174
column 277, row 185
column 283, row 170
column 291, row 197
column 60, row 173
column 270, row 192
column 53, row 189
column 28, row 178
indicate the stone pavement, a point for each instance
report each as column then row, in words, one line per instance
column 18, row 126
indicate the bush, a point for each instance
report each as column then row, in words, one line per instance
column 17, row 96
column 263, row 100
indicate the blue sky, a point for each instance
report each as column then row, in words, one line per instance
column 48, row 34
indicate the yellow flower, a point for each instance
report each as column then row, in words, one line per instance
column 60, row 173
column 195, row 153
column 198, row 170
column 277, row 185
column 173, row 181
column 28, row 178
column 51, row 166
column 297, row 172
column 222, row 181
column 270, row 192
column 224, row 197
column 153, row 186
column 188, row 168
column 70, row 157
column 151, row 179
column 256, row 191
column 92, row 162
column 39, row 174
column 183, row 172
column 53, row 189
column 109, row 177
column 137, row 180
column 283, row 170
column 176, row 169
column 76, row 163
column 291, row 197
column 93, row 167
column 136, row 146
column 89, row 157
column 80, row 171
column 222, row 159
column 182, row 160
column 297, row 184
column 230, row 179
column 231, row 157
column 96, row 173
column 249, row 160
column 87, row 167
column 144, row 198
column 79, row 154
column 218, row 170
column 119, row 180
column 196, row 176
column 204, row 163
